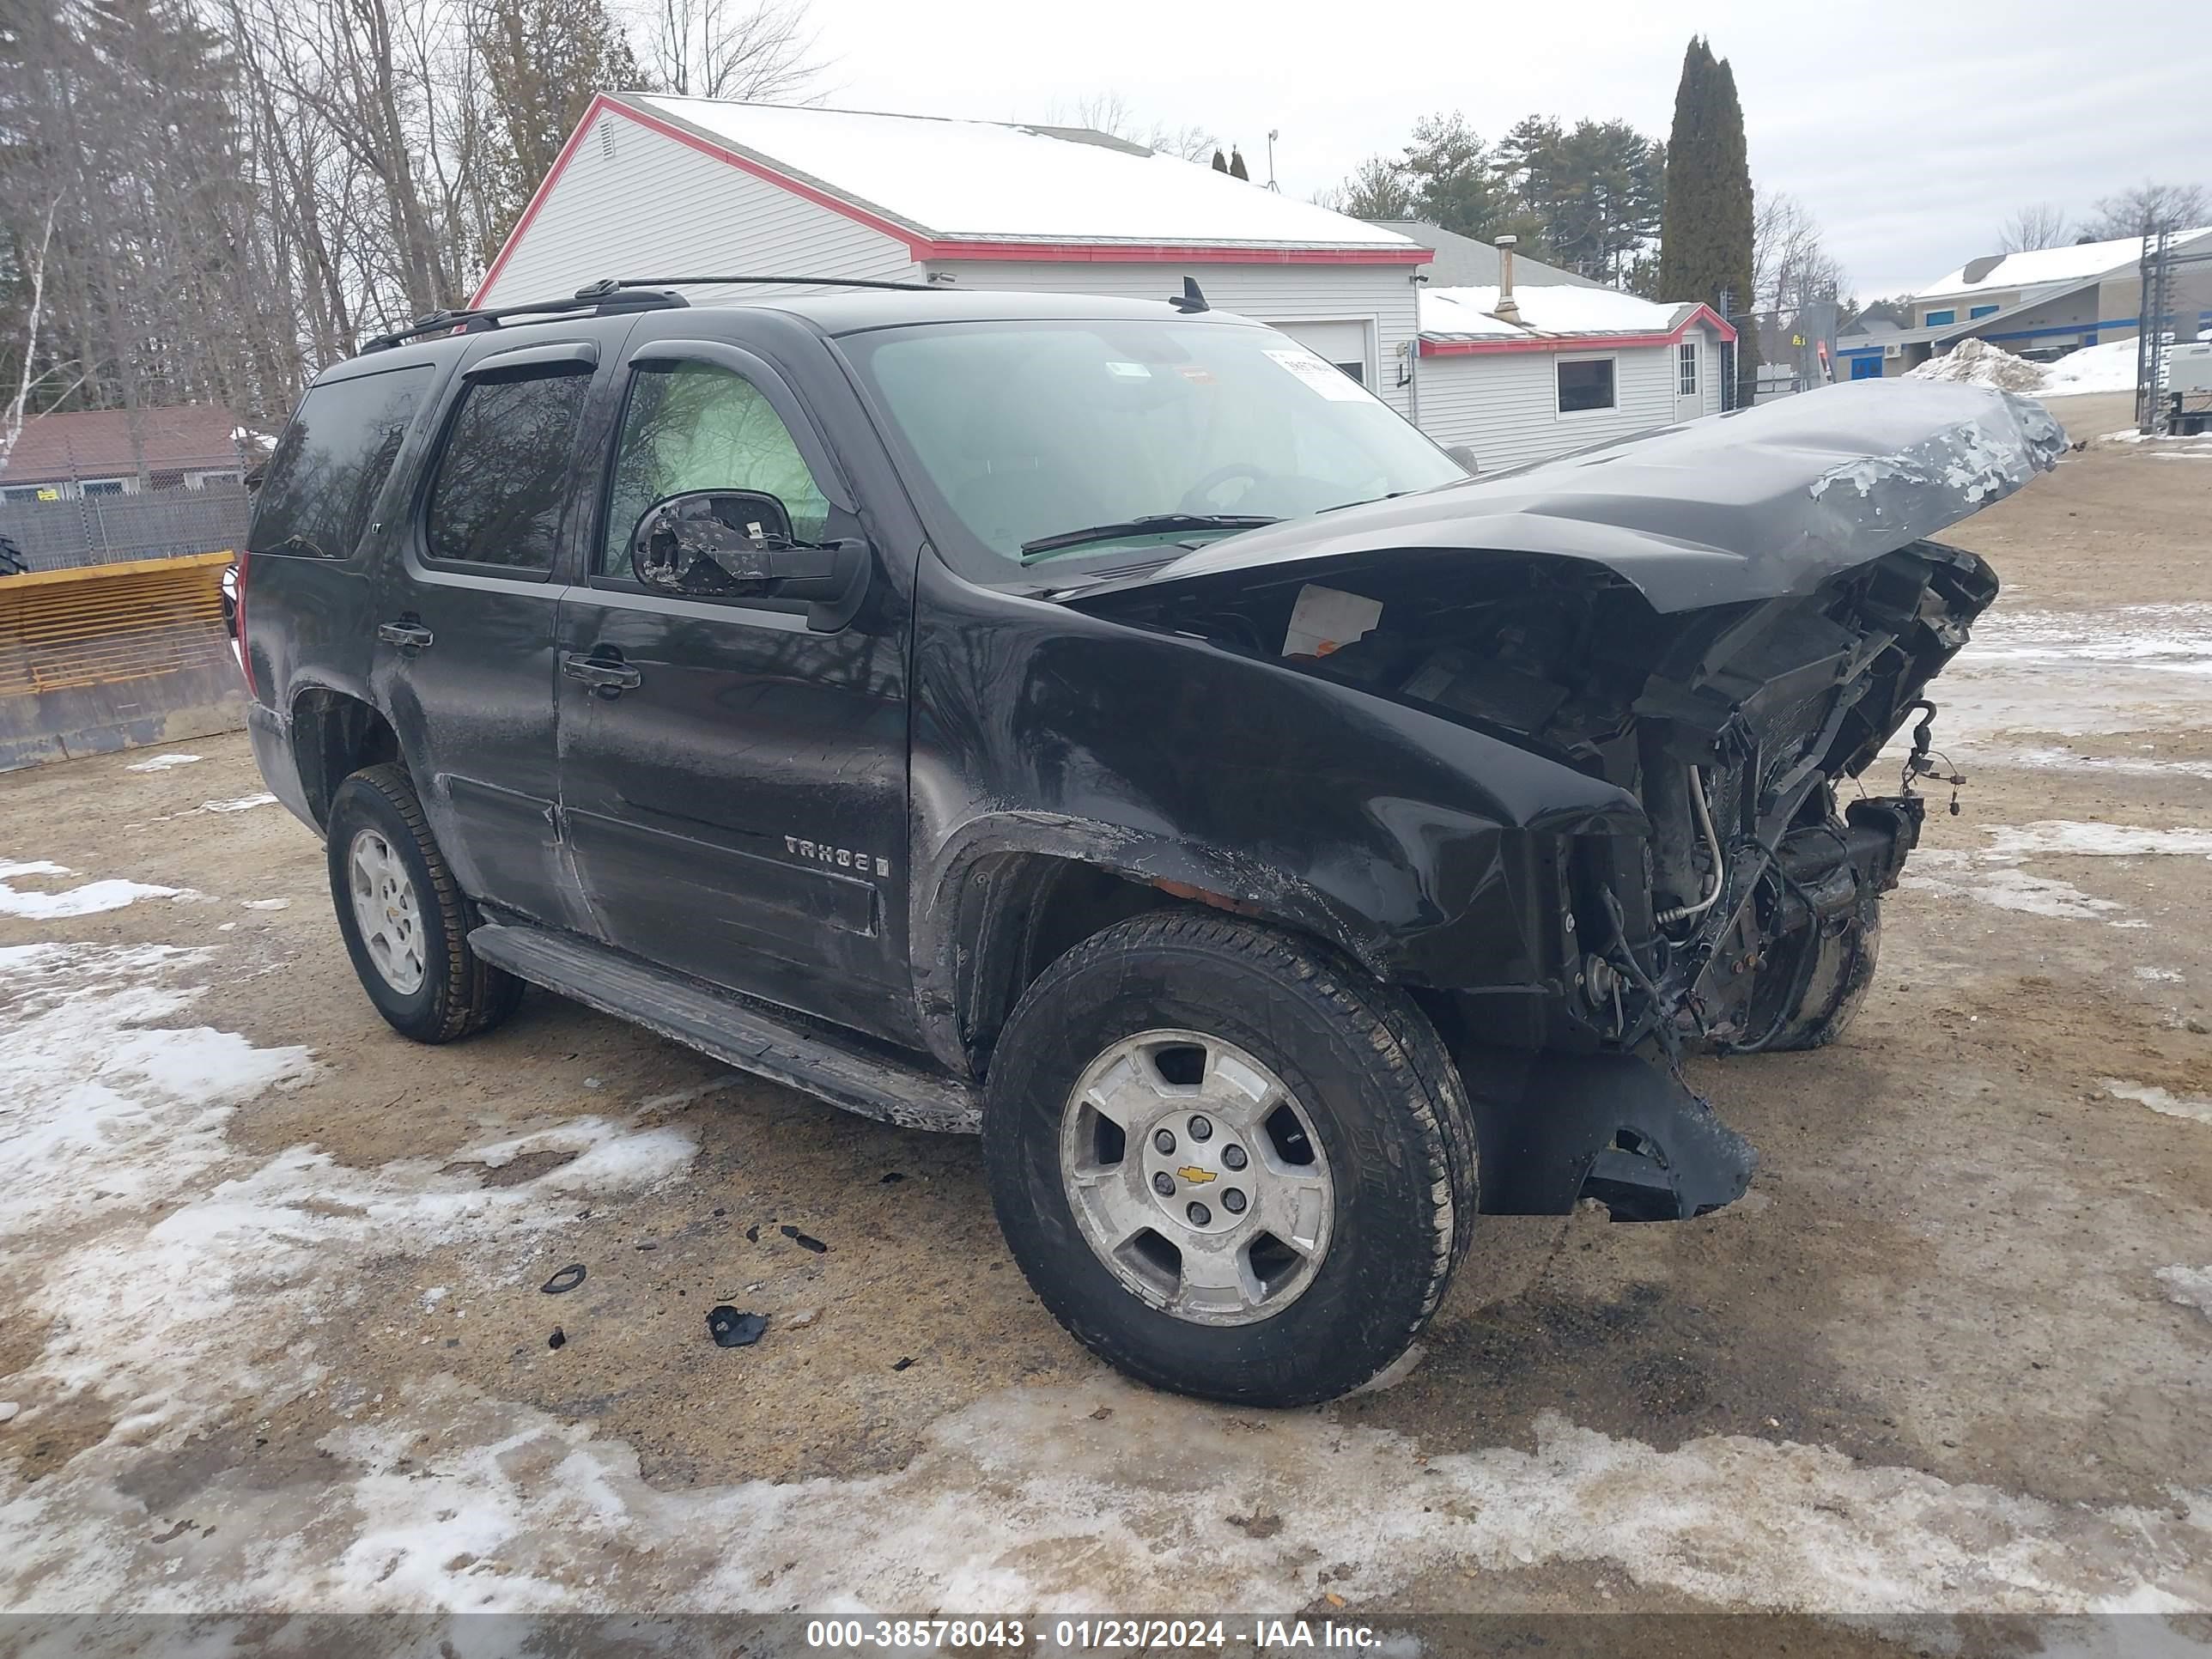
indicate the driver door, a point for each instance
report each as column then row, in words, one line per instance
column 733, row 782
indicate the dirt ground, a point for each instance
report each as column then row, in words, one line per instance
column 272, row 1336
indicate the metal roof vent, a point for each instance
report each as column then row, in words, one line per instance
column 1977, row 269
column 606, row 140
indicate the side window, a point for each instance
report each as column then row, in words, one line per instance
column 332, row 463
column 696, row 427
column 503, row 475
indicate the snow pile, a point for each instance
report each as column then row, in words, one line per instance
column 2107, row 368
column 1977, row 362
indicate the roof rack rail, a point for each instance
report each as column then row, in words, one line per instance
column 745, row 281
column 600, row 299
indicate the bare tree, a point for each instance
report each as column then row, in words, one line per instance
column 2038, row 225
column 729, row 49
column 1110, row 114
column 1790, row 266
column 11, row 426
column 2141, row 208
column 1378, row 188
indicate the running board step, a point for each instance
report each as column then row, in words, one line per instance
column 742, row 1034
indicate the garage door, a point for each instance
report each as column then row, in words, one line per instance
column 1344, row 345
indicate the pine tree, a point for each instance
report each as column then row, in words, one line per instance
column 1220, row 162
column 1236, row 165
column 1705, row 228
column 1449, row 172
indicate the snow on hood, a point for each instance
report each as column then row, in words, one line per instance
column 1755, row 504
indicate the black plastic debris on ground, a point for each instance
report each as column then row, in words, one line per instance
column 894, row 1177
column 806, row 1240
column 752, row 1233
column 903, row 1364
column 558, row 1340
column 564, row 1281
column 732, row 1329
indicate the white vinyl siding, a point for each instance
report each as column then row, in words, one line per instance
column 1380, row 296
column 1504, row 404
column 633, row 203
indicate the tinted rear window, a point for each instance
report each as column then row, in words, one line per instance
column 504, row 474
column 332, row 460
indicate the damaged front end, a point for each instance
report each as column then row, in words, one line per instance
column 1725, row 621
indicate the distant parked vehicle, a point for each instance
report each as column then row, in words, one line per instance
column 1109, row 727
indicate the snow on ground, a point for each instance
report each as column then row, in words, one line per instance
column 161, row 762
column 186, row 1285
column 2161, row 1101
column 90, row 899
column 2074, row 673
column 1951, row 874
column 1988, row 875
column 2190, row 1286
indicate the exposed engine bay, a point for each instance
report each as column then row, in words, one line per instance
column 1732, row 724
column 1747, row 918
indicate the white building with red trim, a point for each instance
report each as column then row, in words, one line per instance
column 655, row 187
column 1562, row 368
column 651, row 186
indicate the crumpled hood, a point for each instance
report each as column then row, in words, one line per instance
column 1755, row 504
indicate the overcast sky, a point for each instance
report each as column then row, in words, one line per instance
column 1912, row 127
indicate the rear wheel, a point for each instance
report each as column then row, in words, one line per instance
column 1228, row 1163
column 405, row 920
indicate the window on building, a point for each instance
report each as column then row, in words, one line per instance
column 1935, row 319
column 504, row 477
column 168, row 479
column 29, row 493
column 1686, row 384
column 1973, row 312
column 331, row 462
column 101, row 487
column 696, row 427
column 1585, row 383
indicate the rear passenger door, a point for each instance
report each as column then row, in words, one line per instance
column 736, row 807
column 467, row 616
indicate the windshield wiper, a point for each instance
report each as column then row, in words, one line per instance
column 1364, row 501
column 1150, row 524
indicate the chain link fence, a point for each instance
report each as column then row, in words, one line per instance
column 162, row 523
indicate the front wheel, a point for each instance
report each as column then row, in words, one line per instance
column 1228, row 1163
column 405, row 920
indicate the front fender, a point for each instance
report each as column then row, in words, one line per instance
column 1429, row 852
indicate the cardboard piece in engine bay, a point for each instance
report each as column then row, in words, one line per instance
column 1744, row 606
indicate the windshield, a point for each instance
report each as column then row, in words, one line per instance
column 1024, row 432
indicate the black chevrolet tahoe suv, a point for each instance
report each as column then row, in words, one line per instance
column 1107, row 727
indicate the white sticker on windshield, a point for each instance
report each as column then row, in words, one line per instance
column 1326, row 378
column 1130, row 371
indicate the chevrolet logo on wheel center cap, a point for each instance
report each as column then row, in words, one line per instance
column 1192, row 1173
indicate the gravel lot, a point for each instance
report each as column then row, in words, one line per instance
column 271, row 1334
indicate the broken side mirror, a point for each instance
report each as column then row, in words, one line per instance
column 737, row 544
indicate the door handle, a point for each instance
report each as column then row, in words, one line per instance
column 407, row 635
column 609, row 679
